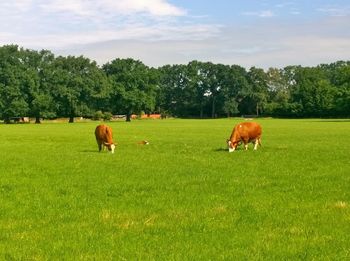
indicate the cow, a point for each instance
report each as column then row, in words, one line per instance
column 104, row 137
column 245, row 132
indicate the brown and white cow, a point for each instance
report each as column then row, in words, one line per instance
column 245, row 132
column 104, row 137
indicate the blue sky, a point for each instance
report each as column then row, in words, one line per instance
column 265, row 33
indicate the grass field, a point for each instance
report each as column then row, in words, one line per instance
column 183, row 197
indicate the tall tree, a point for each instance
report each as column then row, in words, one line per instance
column 235, row 83
column 196, row 75
column 78, row 83
column 339, row 75
column 206, row 80
column 314, row 91
column 215, row 76
column 278, row 92
column 178, row 92
column 256, row 95
column 134, row 86
column 37, row 82
column 12, row 74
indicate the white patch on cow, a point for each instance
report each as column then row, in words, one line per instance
column 231, row 149
column 246, row 146
column 229, row 146
column 240, row 126
column 112, row 148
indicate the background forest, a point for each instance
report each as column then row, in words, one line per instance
column 40, row 85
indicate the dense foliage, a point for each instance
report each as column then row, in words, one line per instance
column 38, row 84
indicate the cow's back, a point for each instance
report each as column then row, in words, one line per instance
column 249, row 130
column 103, row 133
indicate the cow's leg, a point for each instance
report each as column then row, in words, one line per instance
column 245, row 141
column 256, row 144
column 99, row 144
column 246, row 145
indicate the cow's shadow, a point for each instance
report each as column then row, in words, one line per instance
column 89, row 151
column 226, row 149
column 220, row 150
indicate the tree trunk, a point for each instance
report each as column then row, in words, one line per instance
column 213, row 108
column 71, row 119
column 37, row 120
column 128, row 117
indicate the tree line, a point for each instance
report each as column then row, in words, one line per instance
column 40, row 85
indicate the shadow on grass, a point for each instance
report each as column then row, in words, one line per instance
column 264, row 149
column 221, row 150
column 90, row 151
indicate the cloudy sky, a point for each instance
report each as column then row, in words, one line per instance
column 262, row 33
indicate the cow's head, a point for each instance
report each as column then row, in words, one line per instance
column 110, row 146
column 231, row 145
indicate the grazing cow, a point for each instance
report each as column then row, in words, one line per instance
column 104, row 137
column 245, row 132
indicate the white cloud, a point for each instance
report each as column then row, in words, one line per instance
column 262, row 13
column 263, row 45
column 22, row 5
column 77, row 7
column 335, row 11
column 131, row 33
column 155, row 8
column 60, row 23
column 285, row 4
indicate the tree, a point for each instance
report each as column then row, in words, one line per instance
column 278, row 92
column 230, row 79
column 179, row 90
column 37, row 83
column 134, row 86
column 232, row 91
column 79, row 86
column 256, row 94
column 339, row 75
column 213, row 81
column 12, row 72
column 207, row 80
column 196, row 75
column 314, row 91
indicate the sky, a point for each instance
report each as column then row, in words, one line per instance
column 260, row 33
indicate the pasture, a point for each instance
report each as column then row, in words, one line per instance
column 183, row 197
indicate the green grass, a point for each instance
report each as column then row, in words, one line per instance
column 183, row 197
